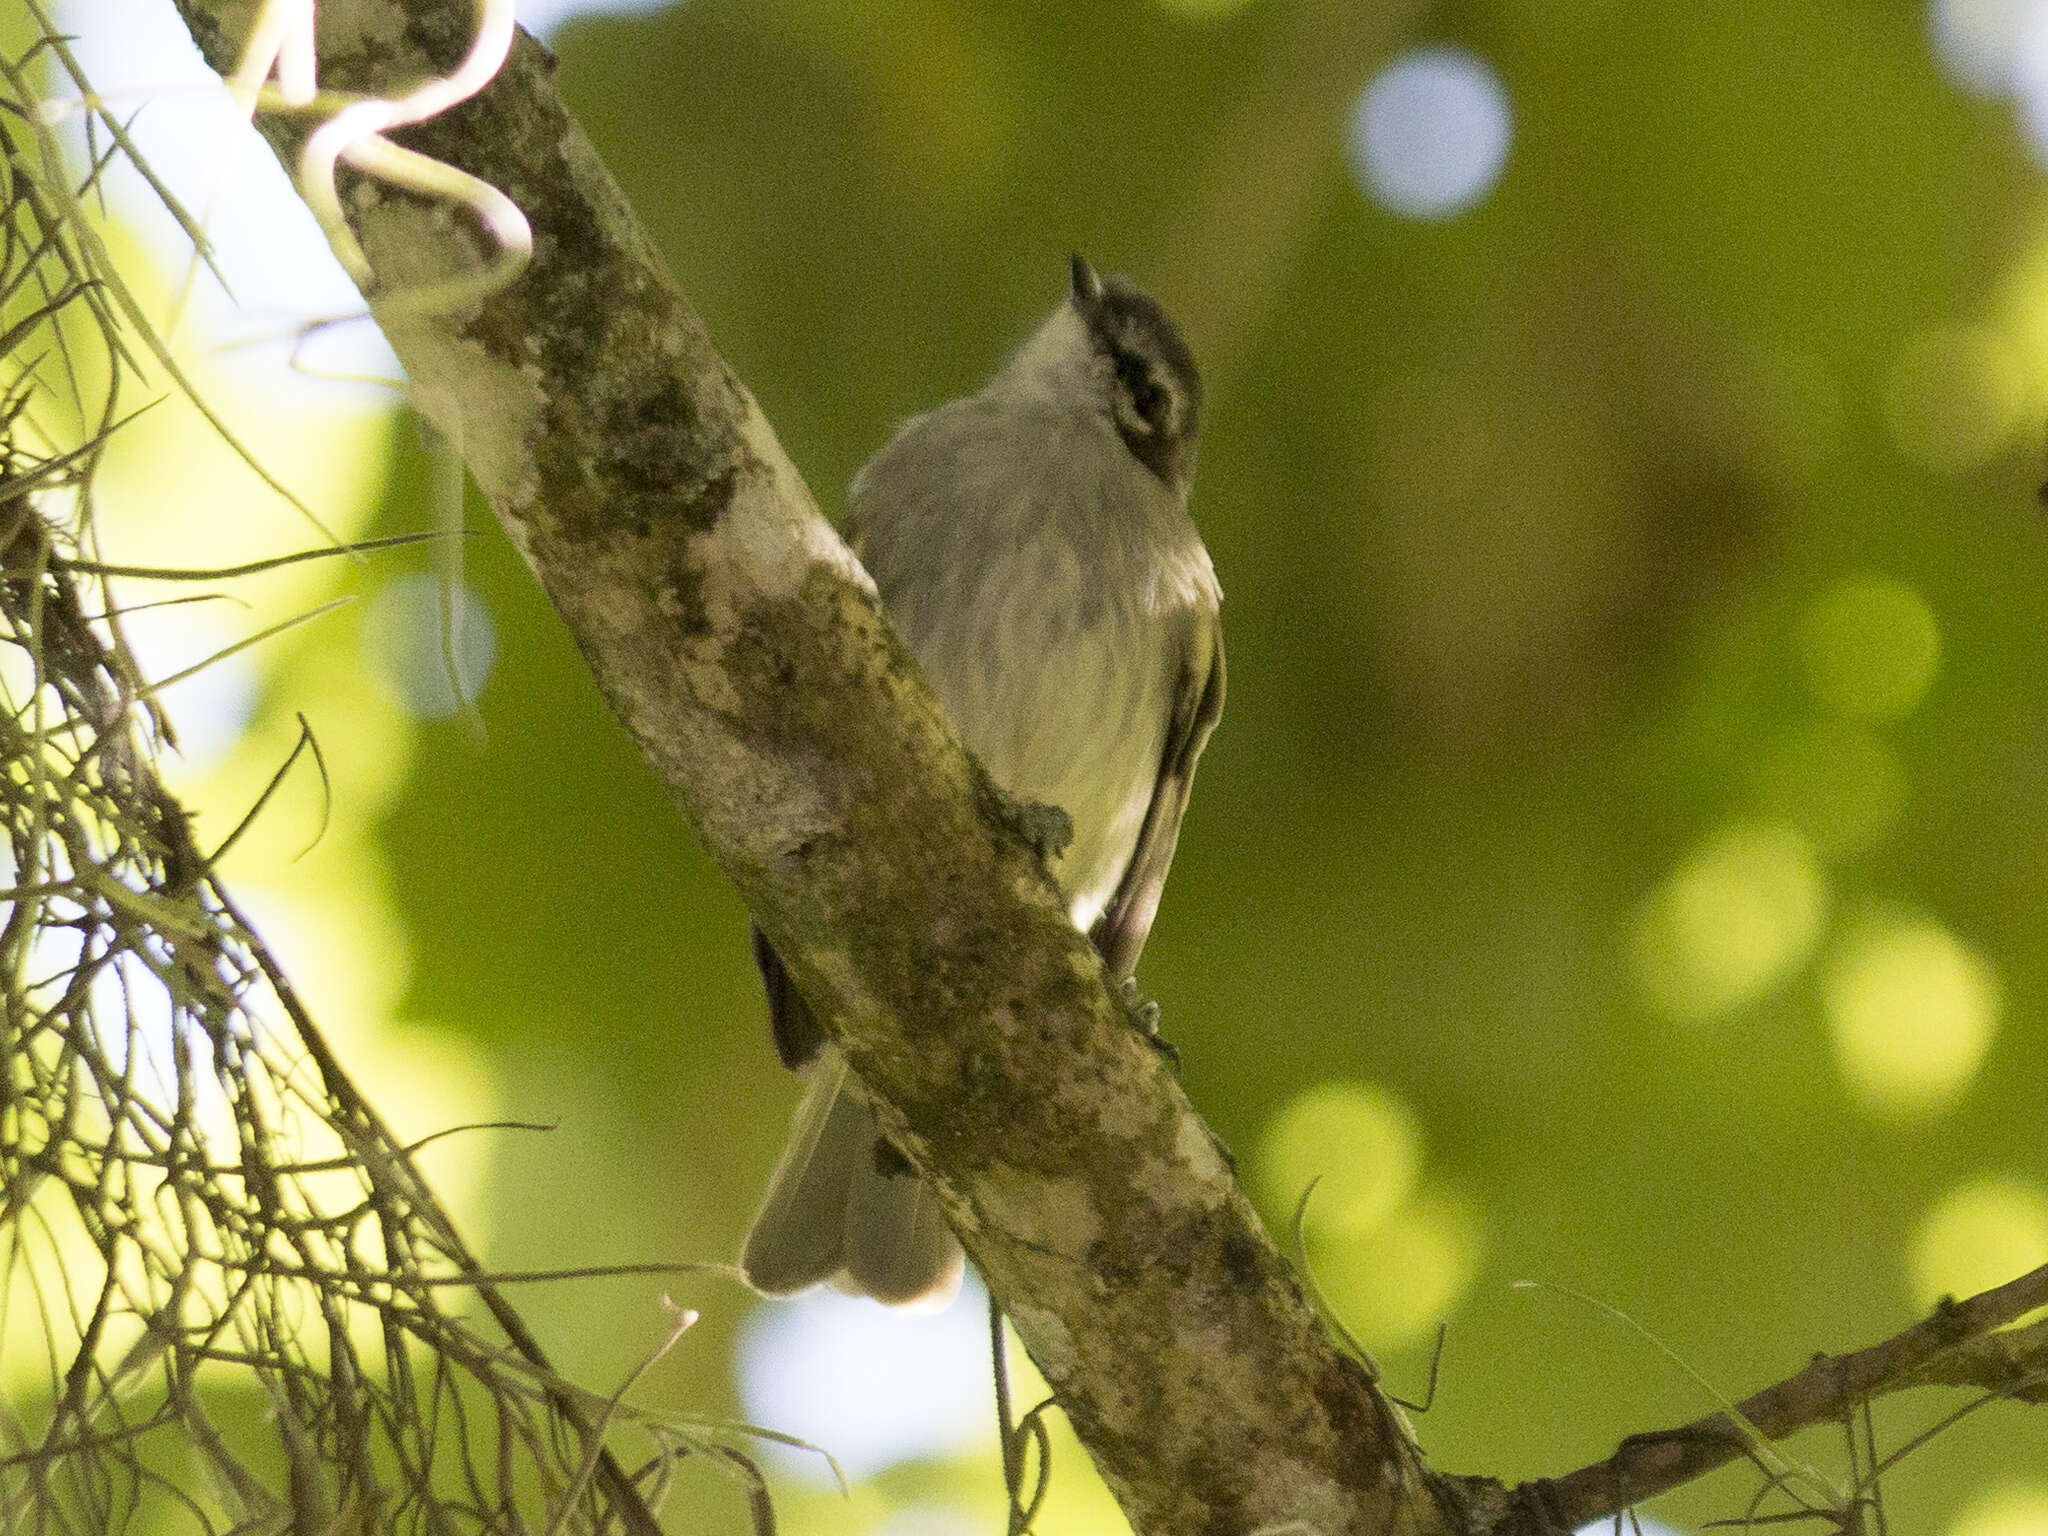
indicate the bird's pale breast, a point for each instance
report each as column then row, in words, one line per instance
column 1022, row 561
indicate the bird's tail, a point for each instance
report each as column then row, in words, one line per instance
column 842, row 1206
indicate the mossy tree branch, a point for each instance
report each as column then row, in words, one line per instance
column 740, row 644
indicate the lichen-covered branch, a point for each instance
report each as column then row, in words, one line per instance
column 740, row 644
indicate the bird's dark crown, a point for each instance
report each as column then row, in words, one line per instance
column 1156, row 387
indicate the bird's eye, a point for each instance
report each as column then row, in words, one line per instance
column 1147, row 398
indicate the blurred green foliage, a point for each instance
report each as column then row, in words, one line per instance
column 1635, row 599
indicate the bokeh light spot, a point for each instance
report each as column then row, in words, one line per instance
column 1912, row 1011
column 1869, row 647
column 874, row 1387
column 1392, row 1285
column 543, row 17
column 1430, row 133
column 1982, row 1233
column 1956, row 396
column 213, row 706
column 1837, row 783
column 1735, row 918
column 2029, row 67
column 404, row 631
column 2015, row 1509
column 1356, row 1142
column 1977, row 41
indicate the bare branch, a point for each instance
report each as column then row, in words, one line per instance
column 2012, row 1364
column 1956, row 1345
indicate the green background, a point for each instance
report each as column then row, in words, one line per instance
column 1545, row 532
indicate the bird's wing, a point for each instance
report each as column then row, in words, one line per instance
column 1119, row 934
column 798, row 1034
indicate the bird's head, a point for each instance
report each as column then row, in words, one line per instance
column 1112, row 348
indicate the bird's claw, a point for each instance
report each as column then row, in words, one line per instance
column 1143, row 1012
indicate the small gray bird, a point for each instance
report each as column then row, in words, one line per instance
column 1032, row 545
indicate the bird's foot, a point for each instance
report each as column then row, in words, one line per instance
column 1143, row 1012
column 1047, row 828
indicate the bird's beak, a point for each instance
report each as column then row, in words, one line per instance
column 1087, row 287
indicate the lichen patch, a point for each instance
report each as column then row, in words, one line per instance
column 1057, row 1215
column 488, row 408
column 1050, row 1343
column 1196, row 1148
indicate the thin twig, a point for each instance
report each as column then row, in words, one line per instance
column 1955, row 1344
